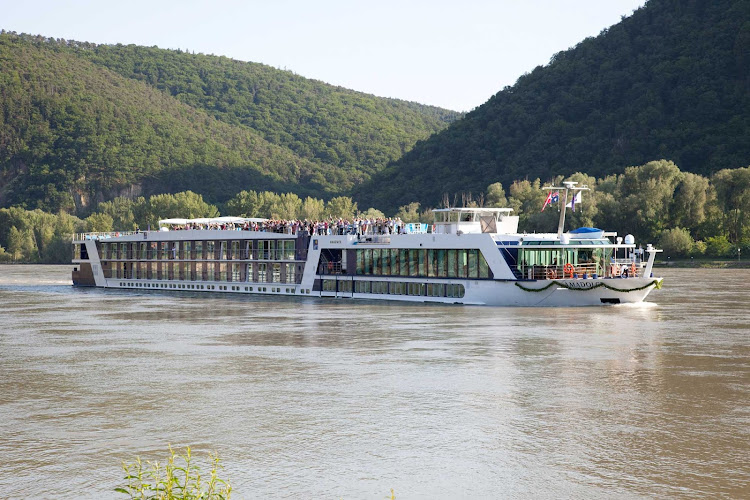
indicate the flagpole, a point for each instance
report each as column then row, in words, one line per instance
column 567, row 185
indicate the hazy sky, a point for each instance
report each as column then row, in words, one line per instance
column 454, row 54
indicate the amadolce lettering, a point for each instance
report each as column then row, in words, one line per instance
column 580, row 284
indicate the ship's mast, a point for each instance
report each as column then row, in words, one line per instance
column 567, row 186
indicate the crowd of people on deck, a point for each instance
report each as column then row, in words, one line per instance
column 332, row 226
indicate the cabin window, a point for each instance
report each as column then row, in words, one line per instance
column 413, row 262
column 289, row 253
column 484, row 268
column 290, row 273
column 452, row 264
column 438, row 263
column 385, row 262
column 473, row 265
column 403, row 262
column 431, row 263
column 376, row 261
column 422, row 262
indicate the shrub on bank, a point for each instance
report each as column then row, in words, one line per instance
column 178, row 479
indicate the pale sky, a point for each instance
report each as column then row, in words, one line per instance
column 454, row 54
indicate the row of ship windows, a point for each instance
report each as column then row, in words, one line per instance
column 190, row 286
column 416, row 262
column 203, row 271
column 454, row 290
column 197, row 250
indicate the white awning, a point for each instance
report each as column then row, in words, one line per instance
column 210, row 220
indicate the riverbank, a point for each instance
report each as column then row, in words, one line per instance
column 703, row 263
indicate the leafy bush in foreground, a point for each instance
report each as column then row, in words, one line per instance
column 179, row 479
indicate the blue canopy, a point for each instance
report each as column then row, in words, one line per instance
column 586, row 230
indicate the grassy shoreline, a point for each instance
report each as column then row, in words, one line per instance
column 704, row 263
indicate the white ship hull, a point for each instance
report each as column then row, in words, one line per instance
column 495, row 283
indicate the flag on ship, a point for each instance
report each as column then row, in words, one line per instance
column 576, row 199
column 551, row 198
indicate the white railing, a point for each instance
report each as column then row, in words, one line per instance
column 104, row 236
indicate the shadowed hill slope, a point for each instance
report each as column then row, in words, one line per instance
column 670, row 81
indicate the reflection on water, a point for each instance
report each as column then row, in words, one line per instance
column 335, row 399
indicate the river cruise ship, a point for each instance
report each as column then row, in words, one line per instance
column 468, row 256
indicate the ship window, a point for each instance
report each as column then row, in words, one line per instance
column 484, row 269
column 276, row 278
column 289, row 253
column 385, row 261
column 376, row 261
column 452, row 263
column 362, row 262
column 403, row 262
column 454, row 290
column 290, row 273
column 473, row 267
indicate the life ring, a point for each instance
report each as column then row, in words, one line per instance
column 551, row 274
column 568, row 270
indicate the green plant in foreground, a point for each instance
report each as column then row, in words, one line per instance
column 179, row 479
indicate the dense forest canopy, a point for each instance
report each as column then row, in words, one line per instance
column 81, row 123
column 671, row 81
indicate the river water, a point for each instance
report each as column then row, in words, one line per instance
column 319, row 398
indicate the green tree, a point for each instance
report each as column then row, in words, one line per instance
column 180, row 205
column 372, row 213
column 98, row 222
column 287, row 207
column 719, row 246
column 21, row 245
column 495, row 196
column 313, row 209
column 341, row 206
column 409, row 213
column 676, row 242
column 733, row 193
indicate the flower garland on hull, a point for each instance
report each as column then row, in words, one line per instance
column 655, row 283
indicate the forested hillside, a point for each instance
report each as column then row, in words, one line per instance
column 671, row 81
column 331, row 125
column 81, row 123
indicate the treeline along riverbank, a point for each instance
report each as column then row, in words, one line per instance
column 686, row 214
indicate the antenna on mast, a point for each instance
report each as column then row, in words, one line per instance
column 567, row 186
